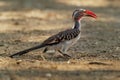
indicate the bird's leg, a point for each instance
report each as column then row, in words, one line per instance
column 45, row 50
column 64, row 50
column 49, row 50
column 58, row 54
column 52, row 53
column 65, row 54
column 42, row 56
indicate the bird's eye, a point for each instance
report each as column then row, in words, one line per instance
column 82, row 10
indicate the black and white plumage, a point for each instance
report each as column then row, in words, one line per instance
column 65, row 39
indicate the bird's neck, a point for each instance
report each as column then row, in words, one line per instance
column 77, row 25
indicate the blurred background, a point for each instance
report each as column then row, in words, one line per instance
column 26, row 23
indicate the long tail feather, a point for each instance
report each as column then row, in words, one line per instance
column 26, row 51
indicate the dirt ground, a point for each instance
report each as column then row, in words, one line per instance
column 26, row 23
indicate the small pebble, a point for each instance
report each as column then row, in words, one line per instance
column 48, row 74
column 68, row 62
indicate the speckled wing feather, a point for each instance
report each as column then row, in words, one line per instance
column 62, row 36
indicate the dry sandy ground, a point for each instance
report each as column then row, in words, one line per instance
column 26, row 23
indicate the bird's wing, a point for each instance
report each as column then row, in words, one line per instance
column 62, row 36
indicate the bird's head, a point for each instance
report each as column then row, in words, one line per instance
column 79, row 13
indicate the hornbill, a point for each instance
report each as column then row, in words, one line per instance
column 65, row 39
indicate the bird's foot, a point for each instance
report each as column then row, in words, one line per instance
column 58, row 55
column 61, row 57
column 67, row 56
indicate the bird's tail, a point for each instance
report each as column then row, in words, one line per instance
column 26, row 51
